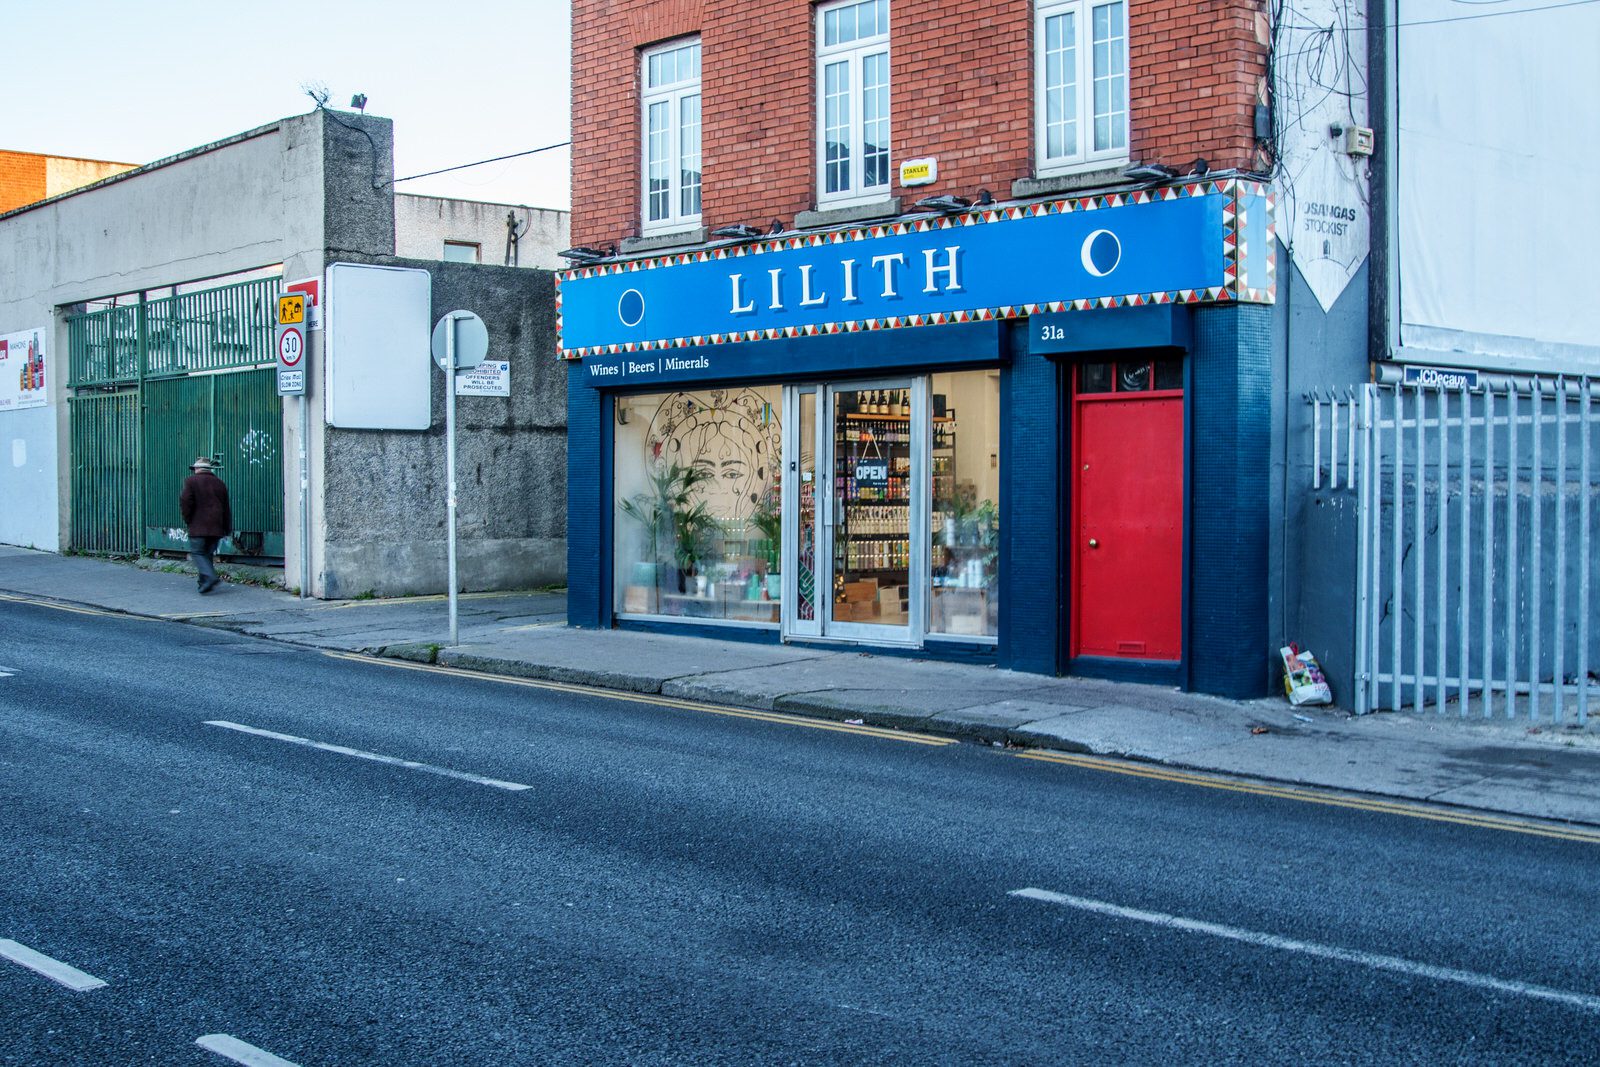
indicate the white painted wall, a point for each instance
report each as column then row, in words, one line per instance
column 209, row 212
column 422, row 225
column 29, row 500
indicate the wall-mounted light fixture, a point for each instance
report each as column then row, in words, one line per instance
column 583, row 256
column 946, row 203
column 1150, row 172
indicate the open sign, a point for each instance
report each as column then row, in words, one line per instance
column 872, row 473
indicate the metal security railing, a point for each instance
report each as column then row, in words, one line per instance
column 158, row 382
column 1477, row 540
column 211, row 329
column 105, row 472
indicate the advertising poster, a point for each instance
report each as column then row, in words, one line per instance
column 24, row 380
column 1323, row 196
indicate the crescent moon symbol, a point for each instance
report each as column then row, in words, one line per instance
column 1086, row 253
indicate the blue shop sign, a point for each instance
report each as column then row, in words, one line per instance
column 1177, row 245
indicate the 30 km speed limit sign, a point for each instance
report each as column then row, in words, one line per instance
column 291, row 346
column 291, row 360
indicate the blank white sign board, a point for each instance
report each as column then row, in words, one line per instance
column 379, row 367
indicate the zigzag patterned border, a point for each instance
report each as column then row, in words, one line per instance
column 1234, row 189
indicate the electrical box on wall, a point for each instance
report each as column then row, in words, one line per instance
column 1358, row 140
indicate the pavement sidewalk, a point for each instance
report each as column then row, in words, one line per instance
column 1506, row 767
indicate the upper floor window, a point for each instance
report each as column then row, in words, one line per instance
column 461, row 252
column 671, row 156
column 852, row 101
column 1080, row 83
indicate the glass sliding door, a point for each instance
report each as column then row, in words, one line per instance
column 857, row 503
column 802, row 510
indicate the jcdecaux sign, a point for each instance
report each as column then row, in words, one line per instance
column 1172, row 246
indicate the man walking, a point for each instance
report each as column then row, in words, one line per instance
column 204, row 503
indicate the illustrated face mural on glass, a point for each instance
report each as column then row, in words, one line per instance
column 731, row 433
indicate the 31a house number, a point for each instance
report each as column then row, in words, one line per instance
column 1051, row 332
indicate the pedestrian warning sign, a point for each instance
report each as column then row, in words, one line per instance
column 291, row 309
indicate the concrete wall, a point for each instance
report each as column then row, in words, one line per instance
column 210, row 212
column 424, row 223
column 1312, row 553
column 304, row 192
column 384, row 491
column 63, row 175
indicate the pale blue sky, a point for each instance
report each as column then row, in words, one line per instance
column 136, row 81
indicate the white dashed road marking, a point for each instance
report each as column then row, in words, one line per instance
column 393, row 761
column 54, row 970
column 238, row 1051
column 1583, row 1001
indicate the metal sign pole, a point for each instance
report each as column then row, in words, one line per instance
column 305, row 497
column 450, row 462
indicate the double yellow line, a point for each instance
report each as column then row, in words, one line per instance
column 74, row 608
column 1408, row 809
column 1317, row 796
column 1092, row 763
column 656, row 700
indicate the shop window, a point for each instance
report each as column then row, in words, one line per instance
column 852, row 101
column 696, row 527
column 1095, row 378
column 964, row 468
column 1169, row 374
column 1131, row 376
column 671, row 123
column 1080, row 84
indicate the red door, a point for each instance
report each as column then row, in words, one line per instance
column 1127, row 512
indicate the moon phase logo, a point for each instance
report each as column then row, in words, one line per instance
column 1101, row 253
column 630, row 307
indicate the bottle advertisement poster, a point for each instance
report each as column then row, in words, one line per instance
column 24, row 379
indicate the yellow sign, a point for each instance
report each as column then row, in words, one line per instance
column 291, row 309
column 923, row 171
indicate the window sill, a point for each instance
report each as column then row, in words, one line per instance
column 656, row 241
column 835, row 216
column 1071, row 181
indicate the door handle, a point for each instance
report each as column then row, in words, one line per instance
column 1093, row 543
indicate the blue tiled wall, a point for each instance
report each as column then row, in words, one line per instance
column 1030, row 516
column 1230, row 425
column 586, row 519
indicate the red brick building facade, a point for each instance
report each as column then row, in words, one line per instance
column 962, row 90
column 916, row 326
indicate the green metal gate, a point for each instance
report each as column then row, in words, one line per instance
column 158, row 383
column 105, row 472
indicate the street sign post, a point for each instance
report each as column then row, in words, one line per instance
column 289, row 342
column 460, row 341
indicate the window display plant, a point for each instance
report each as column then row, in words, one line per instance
column 674, row 519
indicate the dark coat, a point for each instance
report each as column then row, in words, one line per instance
column 204, row 503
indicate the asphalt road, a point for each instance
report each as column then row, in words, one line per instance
column 679, row 886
